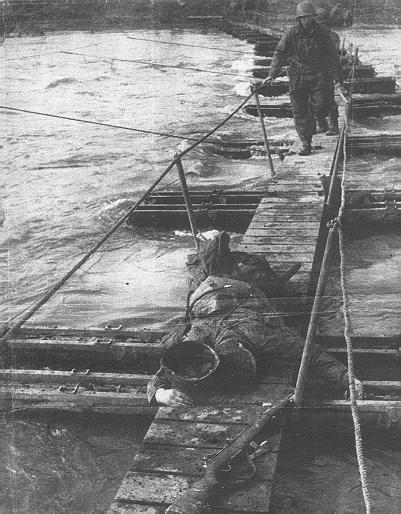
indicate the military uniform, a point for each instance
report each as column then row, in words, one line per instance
column 313, row 64
column 241, row 324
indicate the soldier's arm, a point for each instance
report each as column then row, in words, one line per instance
column 332, row 371
column 328, row 368
column 280, row 56
column 322, row 365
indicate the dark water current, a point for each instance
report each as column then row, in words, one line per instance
column 66, row 183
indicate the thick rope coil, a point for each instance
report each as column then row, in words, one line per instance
column 347, row 336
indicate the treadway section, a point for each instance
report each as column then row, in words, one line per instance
column 285, row 230
column 287, row 226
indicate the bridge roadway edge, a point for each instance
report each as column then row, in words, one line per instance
column 179, row 441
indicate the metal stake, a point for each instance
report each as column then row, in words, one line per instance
column 187, row 200
column 269, row 155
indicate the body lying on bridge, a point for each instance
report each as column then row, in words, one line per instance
column 233, row 330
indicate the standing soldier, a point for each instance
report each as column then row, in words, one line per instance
column 313, row 64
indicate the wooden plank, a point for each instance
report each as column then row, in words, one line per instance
column 294, row 202
column 134, row 508
column 107, row 333
column 282, row 231
column 189, row 434
column 294, row 181
column 278, row 256
column 164, row 458
column 286, row 217
column 303, row 242
column 284, row 225
column 207, row 414
column 310, row 187
column 363, row 406
column 381, row 342
column 62, row 345
column 264, row 394
column 15, row 393
column 69, row 377
column 289, row 210
column 157, row 488
column 370, row 352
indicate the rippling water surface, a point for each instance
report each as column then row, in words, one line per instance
column 65, row 185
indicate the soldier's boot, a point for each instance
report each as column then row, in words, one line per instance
column 333, row 130
column 306, row 145
column 333, row 125
column 333, row 121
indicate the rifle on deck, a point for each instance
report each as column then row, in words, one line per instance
column 193, row 500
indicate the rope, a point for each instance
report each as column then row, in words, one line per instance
column 193, row 46
column 347, row 335
column 99, row 123
column 157, row 64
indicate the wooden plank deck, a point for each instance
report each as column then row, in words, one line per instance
column 178, row 443
column 286, row 226
column 285, row 229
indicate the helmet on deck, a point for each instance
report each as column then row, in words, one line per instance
column 305, row 9
column 189, row 362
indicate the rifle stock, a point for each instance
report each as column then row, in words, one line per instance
column 194, row 499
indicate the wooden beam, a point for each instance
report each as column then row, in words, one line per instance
column 16, row 397
column 106, row 333
column 105, row 346
column 378, row 342
column 26, row 376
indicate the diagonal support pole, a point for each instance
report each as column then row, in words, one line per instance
column 262, row 122
column 188, row 204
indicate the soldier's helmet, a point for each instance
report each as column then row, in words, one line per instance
column 189, row 362
column 191, row 365
column 305, row 9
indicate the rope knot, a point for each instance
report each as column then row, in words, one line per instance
column 334, row 223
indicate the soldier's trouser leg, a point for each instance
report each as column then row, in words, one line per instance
column 321, row 100
column 300, row 111
column 333, row 118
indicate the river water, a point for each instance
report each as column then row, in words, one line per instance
column 67, row 182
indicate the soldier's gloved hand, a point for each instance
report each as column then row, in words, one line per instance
column 340, row 86
column 268, row 81
column 172, row 397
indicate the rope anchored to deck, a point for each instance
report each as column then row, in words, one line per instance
column 347, row 335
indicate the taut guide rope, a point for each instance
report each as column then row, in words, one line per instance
column 347, row 335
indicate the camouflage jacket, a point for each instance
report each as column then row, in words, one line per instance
column 309, row 55
column 243, row 314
